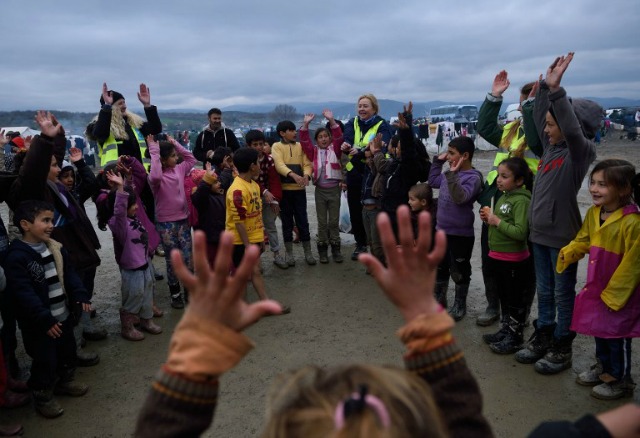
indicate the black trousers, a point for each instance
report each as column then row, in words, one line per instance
column 457, row 261
column 355, row 214
column 513, row 281
column 52, row 359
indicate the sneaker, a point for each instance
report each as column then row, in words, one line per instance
column 280, row 262
column 356, row 252
column 492, row 338
column 591, row 377
column 72, row 389
column 613, row 390
column 507, row 345
column 176, row 301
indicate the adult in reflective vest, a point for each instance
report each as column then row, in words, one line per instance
column 358, row 132
column 121, row 132
column 520, row 139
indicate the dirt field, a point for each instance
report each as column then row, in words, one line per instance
column 338, row 316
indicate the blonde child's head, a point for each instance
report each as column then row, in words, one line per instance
column 612, row 183
column 310, row 402
column 421, row 197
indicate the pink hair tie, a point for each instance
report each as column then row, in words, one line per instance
column 356, row 404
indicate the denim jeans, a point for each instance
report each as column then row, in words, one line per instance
column 294, row 208
column 556, row 292
column 615, row 355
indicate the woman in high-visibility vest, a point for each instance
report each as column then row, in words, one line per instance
column 515, row 139
column 358, row 132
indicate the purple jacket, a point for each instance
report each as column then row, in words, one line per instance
column 458, row 192
column 130, row 239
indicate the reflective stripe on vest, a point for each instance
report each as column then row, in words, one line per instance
column 529, row 156
column 362, row 140
column 109, row 149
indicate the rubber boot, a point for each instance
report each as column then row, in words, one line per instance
column 150, row 327
column 176, row 296
column 67, row 386
column 323, row 252
column 308, row 256
column 45, row 404
column 459, row 308
column 288, row 247
column 441, row 292
column 127, row 329
column 538, row 344
column 335, row 253
column 492, row 312
column 558, row 358
column 84, row 358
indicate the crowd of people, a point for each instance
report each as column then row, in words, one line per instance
column 212, row 222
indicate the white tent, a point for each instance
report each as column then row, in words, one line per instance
column 24, row 131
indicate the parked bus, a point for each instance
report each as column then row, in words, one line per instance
column 454, row 113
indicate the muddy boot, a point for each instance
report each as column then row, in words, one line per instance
column 66, row 386
column 441, row 292
column 149, row 326
column 323, row 252
column 84, row 358
column 90, row 331
column 335, row 253
column 459, row 308
column 492, row 312
column 10, row 399
column 538, row 344
column 558, row 358
column 45, row 404
column 288, row 246
column 11, row 430
column 157, row 312
column 491, row 338
column 128, row 330
column 512, row 342
column 308, row 256
column 176, row 296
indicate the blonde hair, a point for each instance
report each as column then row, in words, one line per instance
column 372, row 98
column 508, row 139
column 302, row 403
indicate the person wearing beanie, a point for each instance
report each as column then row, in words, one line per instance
column 121, row 132
column 566, row 129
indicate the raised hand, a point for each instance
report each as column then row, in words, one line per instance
column 106, row 94
column 49, row 126
column 328, row 114
column 500, row 84
column 456, row 166
column 213, row 294
column 115, row 178
column 408, row 109
column 402, row 122
column 3, row 138
column 376, row 144
column 308, row 118
column 151, row 140
column 535, row 88
column 556, row 70
column 75, row 154
column 409, row 279
column 144, row 95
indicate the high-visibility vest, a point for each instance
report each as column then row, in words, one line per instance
column 109, row 149
column 361, row 140
column 529, row 156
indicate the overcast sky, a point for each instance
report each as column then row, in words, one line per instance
column 199, row 54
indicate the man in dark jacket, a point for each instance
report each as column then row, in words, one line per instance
column 213, row 136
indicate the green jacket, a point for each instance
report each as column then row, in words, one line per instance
column 511, row 235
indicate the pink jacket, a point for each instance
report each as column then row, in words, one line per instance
column 333, row 168
column 168, row 184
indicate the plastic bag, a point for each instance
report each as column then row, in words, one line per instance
column 345, row 219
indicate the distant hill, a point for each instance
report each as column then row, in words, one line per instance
column 259, row 115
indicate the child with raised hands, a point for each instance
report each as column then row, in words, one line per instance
column 435, row 396
column 327, row 177
column 166, row 179
column 131, row 246
column 566, row 128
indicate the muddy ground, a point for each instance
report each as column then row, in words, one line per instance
column 339, row 316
